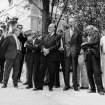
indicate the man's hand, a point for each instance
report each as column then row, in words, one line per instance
column 45, row 51
column 83, row 43
column 61, row 49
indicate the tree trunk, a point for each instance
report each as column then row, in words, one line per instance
column 45, row 16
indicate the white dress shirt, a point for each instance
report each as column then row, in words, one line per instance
column 17, row 43
column 71, row 32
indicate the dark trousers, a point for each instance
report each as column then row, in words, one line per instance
column 71, row 61
column 42, row 71
column 74, row 68
column 9, row 64
column 60, row 63
column 52, row 69
column 21, row 65
column 2, row 61
column 94, row 72
column 33, row 64
column 52, row 66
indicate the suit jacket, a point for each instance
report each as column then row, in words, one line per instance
column 22, row 40
column 9, row 48
column 72, row 45
column 52, row 43
column 1, row 41
column 93, row 45
column 3, row 58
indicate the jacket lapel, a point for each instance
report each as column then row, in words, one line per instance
column 74, row 34
column 67, row 36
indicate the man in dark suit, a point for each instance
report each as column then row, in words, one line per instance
column 32, row 60
column 50, row 57
column 22, row 39
column 2, row 60
column 11, row 50
column 72, row 45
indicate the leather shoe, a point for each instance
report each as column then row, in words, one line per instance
column 66, row 88
column 37, row 89
column 16, row 86
column 20, row 81
column 76, row 88
column 84, row 87
column 50, row 89
column 92, row 91
column 57, row 86
column 101, row 92
column 4, row 86
column 26, row 83
column 28, row 87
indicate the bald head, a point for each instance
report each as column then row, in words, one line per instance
column 51, row 28
column 72, row 22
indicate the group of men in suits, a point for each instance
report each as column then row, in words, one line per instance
column 52, row 53
column 41, row 55
column 59, row 48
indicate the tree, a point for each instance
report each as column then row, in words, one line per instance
column 47, row 16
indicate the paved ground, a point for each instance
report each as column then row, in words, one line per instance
column 22, row 96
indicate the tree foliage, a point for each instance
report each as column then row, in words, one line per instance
column 87, row 11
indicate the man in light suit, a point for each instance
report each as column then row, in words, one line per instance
column 72, row 46
column 10, row 49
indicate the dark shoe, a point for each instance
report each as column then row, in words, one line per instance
column 37, row 89
column 101, row 92
column 29, row 86
column 57, row 86
column 1, row 82
column 84, row 87
column 20, row 81
column 50, row 89
column 92, row 91
column 76, row 88
column 26, row 83
column 15, row 86
column 4, row 86
column 66, row 88
column 104, row 90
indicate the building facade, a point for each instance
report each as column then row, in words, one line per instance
column 29, row 15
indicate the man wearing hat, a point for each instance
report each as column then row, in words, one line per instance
column 12, row 23
column 10, row 49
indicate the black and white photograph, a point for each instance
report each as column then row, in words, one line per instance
column 52, row 52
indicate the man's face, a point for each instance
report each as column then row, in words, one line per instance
column 72, row 23
column 51, row 28
column 17, row 32
column 20, row 28
column 60, row 33
column 29, row 37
